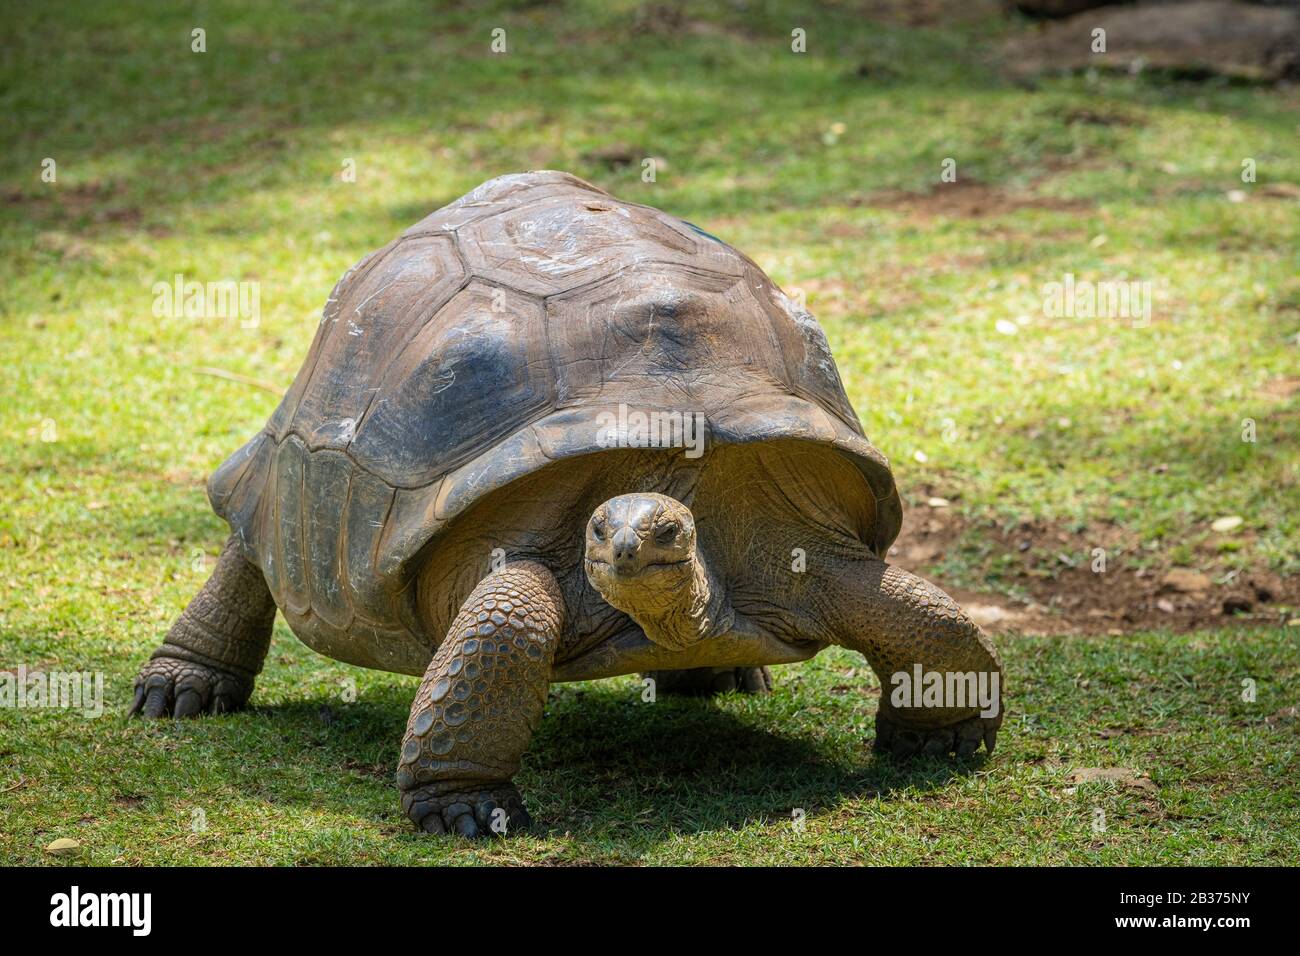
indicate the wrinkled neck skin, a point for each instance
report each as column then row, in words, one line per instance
column 680, row 608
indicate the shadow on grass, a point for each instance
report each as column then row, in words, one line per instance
column 604, row 766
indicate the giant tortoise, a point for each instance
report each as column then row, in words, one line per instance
column 546, row 435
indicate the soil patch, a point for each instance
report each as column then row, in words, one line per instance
column 1053, row 567
column 966, row 199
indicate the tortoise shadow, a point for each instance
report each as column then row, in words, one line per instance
column 690, row 765
column 603, row 766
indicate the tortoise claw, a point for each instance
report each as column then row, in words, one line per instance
column 962, row 738
column 188, row 703
column 171, row 686
column 465, row 826
column 473, row 814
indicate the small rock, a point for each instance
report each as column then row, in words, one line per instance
column 990, row 615
column 614, row 155
column 937, row 502
column 1006, row 327
column 1283, row 716
column 1186, row 581
column 1165, row 605
column 923, row 552
column 1226, row 523
column 920, row 456
column 1133, row 779
column 63, row 847
column 1236, row 195
column 1280, row 191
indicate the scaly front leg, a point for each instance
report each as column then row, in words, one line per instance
column 215, row 649
column 908, row 629
column 481, row 699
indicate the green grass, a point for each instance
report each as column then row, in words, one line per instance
column 225, row 165
column 307, row 778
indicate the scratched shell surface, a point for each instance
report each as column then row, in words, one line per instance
column 484, row 343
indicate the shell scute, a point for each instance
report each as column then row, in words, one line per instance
column 376, row 316
column 496, row 196
column 290, row 468
column 659, row 334
column 562, row 242
column 326, row 485
column 370, row 500
column 475, row 373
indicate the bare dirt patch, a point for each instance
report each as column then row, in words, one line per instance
column 1097, row 116
column 1281, row 388
column 966, row 199
column 927, row 13
column 1053, row 566
column 96, row 201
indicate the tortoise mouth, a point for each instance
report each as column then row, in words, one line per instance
column 646, row 592
column 613, row 568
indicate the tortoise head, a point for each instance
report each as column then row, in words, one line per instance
column 641, row 556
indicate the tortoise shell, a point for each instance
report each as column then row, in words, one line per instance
column 486, row 342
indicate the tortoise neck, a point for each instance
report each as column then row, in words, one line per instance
column 698, row 611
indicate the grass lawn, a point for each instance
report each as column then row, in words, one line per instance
column 824, row 167
column 308, row 778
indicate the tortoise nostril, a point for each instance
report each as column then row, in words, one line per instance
column 625, row 543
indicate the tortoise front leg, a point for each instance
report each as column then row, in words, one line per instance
column 899, row 621
column 211, row 655
column 481, row 699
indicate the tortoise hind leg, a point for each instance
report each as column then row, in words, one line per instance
column 209, row 658
column 707, row 681
column 904, row 625
column 479, row 703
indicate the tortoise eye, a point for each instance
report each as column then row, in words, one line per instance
column 666, row 533
column 598, row 529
